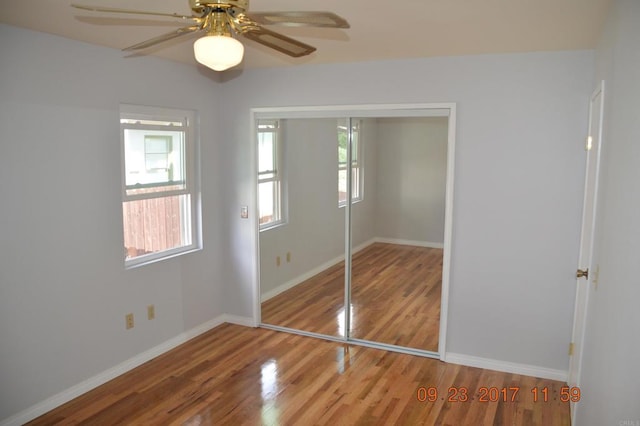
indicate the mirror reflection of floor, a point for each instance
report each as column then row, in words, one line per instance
column 395, row 298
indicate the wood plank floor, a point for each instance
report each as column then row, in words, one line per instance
column 235, row 375
column 396, row 292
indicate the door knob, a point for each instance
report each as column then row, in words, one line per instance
column 582, row 273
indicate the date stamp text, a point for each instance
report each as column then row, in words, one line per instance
column 497, row 394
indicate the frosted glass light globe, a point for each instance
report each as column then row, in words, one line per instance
column 218, row 52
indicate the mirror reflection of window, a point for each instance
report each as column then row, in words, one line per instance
column 356, row 163
column 269, row 174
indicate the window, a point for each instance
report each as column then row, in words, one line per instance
column 356, row 164
column 270, row 180
column 159, row 194
column 156, row 153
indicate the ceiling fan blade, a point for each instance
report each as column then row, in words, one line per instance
column 135, row 12
column 277, row 41
column 299, row 19
column 164, row 37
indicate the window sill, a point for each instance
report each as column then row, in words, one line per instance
column 273, row 225
column 144, row 260
column 344, row 203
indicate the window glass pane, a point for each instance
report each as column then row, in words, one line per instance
column 156, row 224
column 266, row 152
column 354, row 152
column 355, row 183
column 266, row 176
column 147, row 122
column 342, row 185
column 154, row 160
column 343, row 141
column 267, row 125
column 156, row 163
column 269, row 175
column 157, row 144
column 266, row 197
column 156, row 153
column 342, row 145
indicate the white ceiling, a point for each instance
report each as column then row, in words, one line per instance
column 379, row 29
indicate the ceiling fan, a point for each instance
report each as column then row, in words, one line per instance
column 218, row 19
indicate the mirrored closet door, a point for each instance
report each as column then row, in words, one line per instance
column 373, row 270
column 398, row 230
column 302, row 245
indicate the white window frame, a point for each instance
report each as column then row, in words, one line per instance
column 143, row 118
column 357, row 166
column 276, row 176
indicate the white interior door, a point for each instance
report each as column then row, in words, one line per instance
column 585, row 277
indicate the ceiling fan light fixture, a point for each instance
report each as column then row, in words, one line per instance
column 220, row 19
column 218, row 51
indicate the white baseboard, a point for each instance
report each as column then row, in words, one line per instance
column 301, row 278
column 238, row 320
column 113, row 372
column 409, row 242
column 507, row 367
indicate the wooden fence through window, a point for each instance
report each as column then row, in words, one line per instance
column 152, row 225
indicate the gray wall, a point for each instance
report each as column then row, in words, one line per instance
column 411, row 179
column 610, row 378
column 518, row 183
column 314, row 232
column 63, row 288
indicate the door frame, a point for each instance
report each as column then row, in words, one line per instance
column 368, row 110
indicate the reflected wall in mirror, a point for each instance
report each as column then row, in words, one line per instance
column 397, row 273
column 302, row 253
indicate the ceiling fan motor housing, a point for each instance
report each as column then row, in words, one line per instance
column 199, row 6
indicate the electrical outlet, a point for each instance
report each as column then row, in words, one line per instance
column 277, row 260
column 151, row 312
column 288, row 256
column 128, row 321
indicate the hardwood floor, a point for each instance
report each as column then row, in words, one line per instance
column 395, row 298
column 235, row 375
column 396, row 295
column 315, row 305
